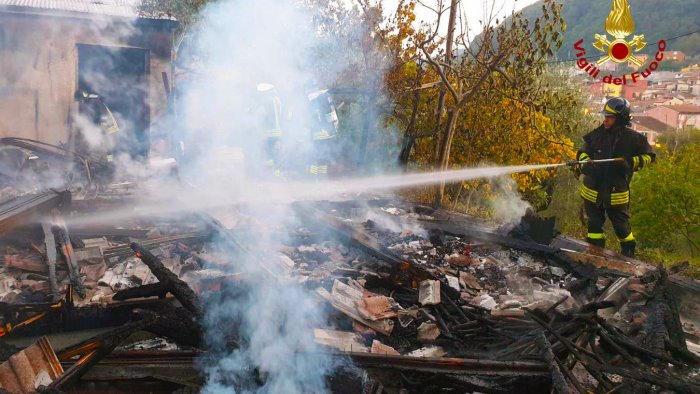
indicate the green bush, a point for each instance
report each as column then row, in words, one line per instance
column 666, row 203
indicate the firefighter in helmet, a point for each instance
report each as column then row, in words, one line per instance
column 606, row 186
column 105, row 130
column 324, row 125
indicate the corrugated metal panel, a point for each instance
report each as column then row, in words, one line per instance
column 123, row 8
column 34, row 366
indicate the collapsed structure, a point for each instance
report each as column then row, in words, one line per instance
column 414, row 299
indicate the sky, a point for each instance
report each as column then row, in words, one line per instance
column 474, row 10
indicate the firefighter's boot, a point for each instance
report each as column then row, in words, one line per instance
column 627, row 248
column 599, row 242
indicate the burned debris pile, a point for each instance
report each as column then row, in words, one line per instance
column 415, row 299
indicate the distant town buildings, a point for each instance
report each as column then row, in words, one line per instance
column 676, row 116
column 667, row 100
column 676, row 56
column 649, row 127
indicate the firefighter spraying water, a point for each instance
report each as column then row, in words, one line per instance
column 610, row 155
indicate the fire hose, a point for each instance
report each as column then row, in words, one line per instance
column 572, row 163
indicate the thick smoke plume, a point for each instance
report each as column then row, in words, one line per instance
column 246, row 61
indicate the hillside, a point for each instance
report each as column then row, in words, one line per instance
column 655, row 19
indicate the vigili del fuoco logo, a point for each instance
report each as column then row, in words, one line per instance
column 618, row 48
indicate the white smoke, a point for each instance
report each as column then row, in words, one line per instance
column 507, row 205
column 247, row 60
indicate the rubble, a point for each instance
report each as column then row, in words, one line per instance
column 428, row 332
column 429, row 292
column 343, row 341
column 459, row 303
column 380, row 348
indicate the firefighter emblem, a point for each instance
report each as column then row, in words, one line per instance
column 619, row 24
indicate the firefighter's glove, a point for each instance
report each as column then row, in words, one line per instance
column 575, row 167
column 582, row 167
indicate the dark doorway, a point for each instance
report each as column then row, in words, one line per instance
column 119, row 77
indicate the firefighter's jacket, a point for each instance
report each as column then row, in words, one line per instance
column 608, row 184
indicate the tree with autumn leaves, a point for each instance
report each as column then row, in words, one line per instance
column 483, row 100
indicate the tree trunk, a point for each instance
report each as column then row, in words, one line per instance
column 409, row 137
column 448, row 59
column 366, row 126
column 444, row 154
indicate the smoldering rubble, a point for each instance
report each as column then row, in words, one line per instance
column 367, row 295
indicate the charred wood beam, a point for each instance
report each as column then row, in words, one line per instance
column 174, row 323
column 26, row 209
column 683, row 354
column 63, row 318
column 174, row 366
column 159, row 289
column 591, row 366
column 50, row 242
column 631, row 347
column 107, row 231
column 61, row 232
column 175, row 285
column 459, row 310
column 92, row 351
column 452, row 365
column 24, row 317
column 115, row 254
column 558, row 382
column 606, row 341
column 674, row 383
column 109, row 338
column 672, row 318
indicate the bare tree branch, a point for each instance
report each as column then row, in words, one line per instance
column 445, row 80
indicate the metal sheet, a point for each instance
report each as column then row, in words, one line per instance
column 123, row 8
column 23, row 210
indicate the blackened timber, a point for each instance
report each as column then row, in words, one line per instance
column 606, row 341
column 675, row 383
column 50, row 242
column 64, row 241
column 176, row 286
column 109, row 338
column 177, row 324
column 115, row 254
column 626, row 343
column 453, row 365
column 591, row 367
column 93, row 350
column 672, row 317
column 159, row 290
column 558, row 382
column 107, row 231
column 59, row 317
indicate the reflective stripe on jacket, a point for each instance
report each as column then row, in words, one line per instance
column 607, row 184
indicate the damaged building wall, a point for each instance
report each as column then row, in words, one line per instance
column 39, row 59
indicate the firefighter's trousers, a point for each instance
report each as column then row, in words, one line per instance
column 619, row 216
